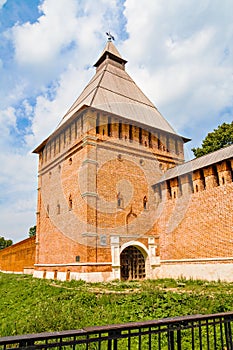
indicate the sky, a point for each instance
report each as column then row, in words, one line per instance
column 179, row 52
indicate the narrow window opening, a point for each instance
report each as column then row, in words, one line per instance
column 49, row 150
column 64, row 135
column 120, row 130
column 196, row 188
column 230, row 168
column 140, row 135
column 167, row 143
column 70, row 133
column 70, row 202
column 176, row 147
column 130, row 133
column 59, row 144
column 202, row 177
column 223, row 180
column 82, row 124
column 174, row 194
column 119, row 200
column 190, row 181
column 109, row 127
column 216, row 175
column 169, row 191
column 150, row 140
column 46, row 154
column 145, row 203
column 159, row 142
column 75, row 129
column 180, row 188
column 97, row 124
column 58, row 209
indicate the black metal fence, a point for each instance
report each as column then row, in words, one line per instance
column 204, row 332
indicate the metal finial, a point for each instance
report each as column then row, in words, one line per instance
column 110, row 36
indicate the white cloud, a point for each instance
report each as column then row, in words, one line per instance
column 2, row 3
column 18, row 182
column 88, row 43
column 43, row 40
column 181, row 55
column 7, row 123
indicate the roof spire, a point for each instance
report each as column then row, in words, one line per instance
column 110, row 53
column 110, row 36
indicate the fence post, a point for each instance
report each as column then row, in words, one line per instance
column 112, row 342
column 178, row 339
column 170, row 338
column 228, row 334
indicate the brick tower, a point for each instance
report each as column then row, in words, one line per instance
column 97, row 206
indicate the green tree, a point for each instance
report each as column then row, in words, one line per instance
column 5, row 242
column 219, row 138
column 32, row 231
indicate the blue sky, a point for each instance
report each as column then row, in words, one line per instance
column 180, row 53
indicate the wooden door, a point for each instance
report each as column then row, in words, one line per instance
column 132, row 264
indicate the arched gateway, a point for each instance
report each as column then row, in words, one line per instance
column 132, row 264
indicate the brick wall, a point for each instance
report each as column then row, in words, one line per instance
column 81, row 176
column 199, row 225
column 92, row 166
column 19, row 257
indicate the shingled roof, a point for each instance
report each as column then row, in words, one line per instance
column 198, row 163
column 114, row 91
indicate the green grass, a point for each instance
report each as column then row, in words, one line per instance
column 29, row 305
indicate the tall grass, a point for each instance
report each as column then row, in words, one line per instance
column 29, row 305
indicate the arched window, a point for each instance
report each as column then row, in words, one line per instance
column 70, row 202
column 145, row 202
column 119, row 200
column 196, row 188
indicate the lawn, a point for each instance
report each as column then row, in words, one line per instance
column 30, row 305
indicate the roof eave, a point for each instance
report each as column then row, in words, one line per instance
column 111, row 56
column 39, row 148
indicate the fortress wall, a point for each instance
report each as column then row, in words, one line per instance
column 197, row 226
column 19, row 257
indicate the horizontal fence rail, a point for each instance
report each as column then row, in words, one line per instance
column 204, row 332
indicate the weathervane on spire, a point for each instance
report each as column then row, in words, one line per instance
column 110, row 36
